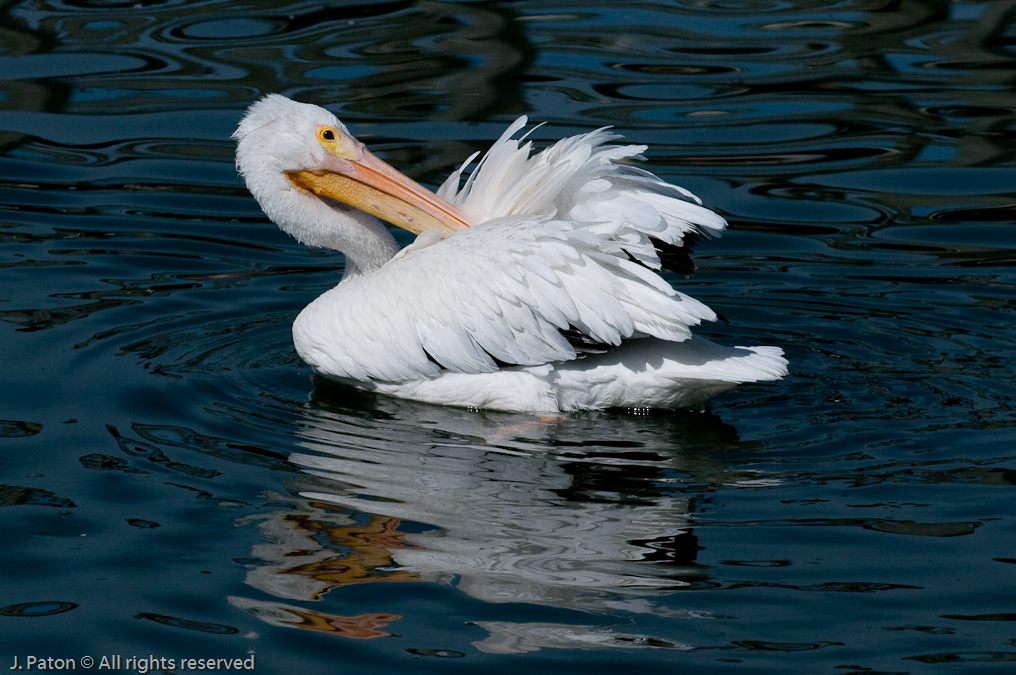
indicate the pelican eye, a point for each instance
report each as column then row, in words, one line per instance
column 337, row 142
column 327, row 134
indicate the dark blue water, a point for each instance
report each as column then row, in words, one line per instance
column 174, row 484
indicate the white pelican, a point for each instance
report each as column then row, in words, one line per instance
column 533, row 286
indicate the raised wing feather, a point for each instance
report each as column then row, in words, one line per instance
column 585, row 180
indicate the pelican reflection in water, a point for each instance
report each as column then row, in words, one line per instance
column 502, row 510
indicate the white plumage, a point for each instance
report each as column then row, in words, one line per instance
column 528, row 260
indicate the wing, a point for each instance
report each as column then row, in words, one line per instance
column 501, row 293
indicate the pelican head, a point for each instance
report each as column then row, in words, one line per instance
column 321, row 185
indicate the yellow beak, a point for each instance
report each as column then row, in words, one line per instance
column 371, row 185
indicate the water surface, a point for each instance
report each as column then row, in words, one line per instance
column 175, row 483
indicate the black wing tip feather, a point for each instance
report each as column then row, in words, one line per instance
column 582, row 343
column 677, row 257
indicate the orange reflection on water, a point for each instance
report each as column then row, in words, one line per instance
column 362, row 627
column 370, row 545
